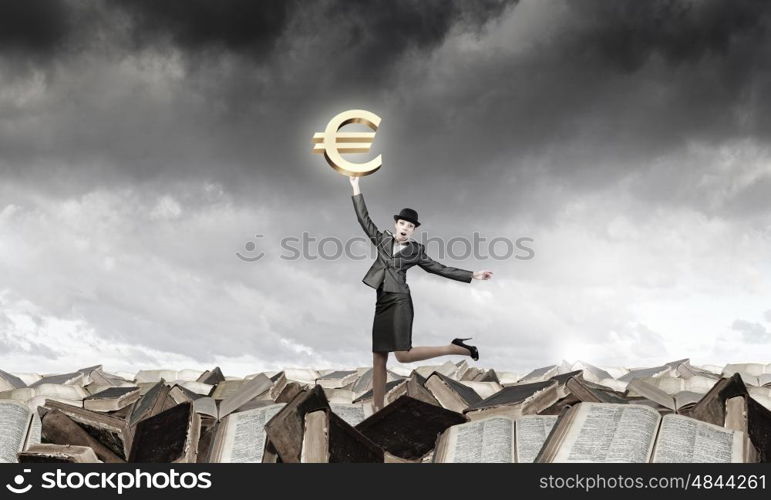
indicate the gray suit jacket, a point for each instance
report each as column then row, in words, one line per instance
column 391, row 270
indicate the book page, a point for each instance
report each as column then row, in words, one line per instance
column 315, row 447
column 683, row 398
column 752, row 369
column 761, row 394
column 344, row 396
column 484, row 389
column 652, row 392
column 490, row 440
column 154, row 375
column 531, row 433
column 74, row 392
column 700, row 383
column 605, row 432
column 226, row 388
column 447, row 368
column 205, row 406
column 14, row 424
column 687, row 440
column 666, row 383
column 35, row 431
column 246, row 391
column 196, row 387
column 244, row 440
column 301, row 375
column 188, row 374
column 351, row 413
column 445, row 394
column 686, row 370
column 37, row 401
column 23, row 394
column 74, row 378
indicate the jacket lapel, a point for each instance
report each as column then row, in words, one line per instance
column 390, row 239
column 408, row 246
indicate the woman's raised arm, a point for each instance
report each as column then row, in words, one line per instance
column 362, row 214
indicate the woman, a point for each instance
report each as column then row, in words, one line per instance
column 392, row 327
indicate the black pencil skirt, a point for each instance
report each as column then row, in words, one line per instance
column 392, row 327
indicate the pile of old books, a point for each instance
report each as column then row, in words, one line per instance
column 453, row 412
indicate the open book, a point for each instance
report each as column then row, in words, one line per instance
column 450, row 393
column 656, row 371
column 515, row 400
column 17, row 429
column 604, row 432
column 539, row 374
column 245, row 392
column 111, row 399
column 240, row 437
column 70, row 394
column 498, row 439
column 757, row 374
column 144, row 376
column 674, row 402
column 591, row 392
column 337, row 379
column 9, row 382
column 211, row 377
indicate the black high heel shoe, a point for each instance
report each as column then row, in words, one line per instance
column 471, row 349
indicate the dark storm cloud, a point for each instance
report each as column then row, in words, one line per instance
column 715, row 62
column 244, row 63
column 596, row 90
column 628, row 33
column 239, row 25
column 605, row 90
column 374, row 30
column 34, row 26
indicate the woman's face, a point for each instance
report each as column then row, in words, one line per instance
column 403, row 230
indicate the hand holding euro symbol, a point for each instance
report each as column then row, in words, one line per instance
column 332, row 142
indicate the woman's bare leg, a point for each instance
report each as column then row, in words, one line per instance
column 379, row 360
column 427, row 352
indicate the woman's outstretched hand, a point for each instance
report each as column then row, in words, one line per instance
column 483, row 275
column 355, row 184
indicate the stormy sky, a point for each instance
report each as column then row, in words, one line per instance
column 145, row 145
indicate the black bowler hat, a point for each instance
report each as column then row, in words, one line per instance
column 409, row 215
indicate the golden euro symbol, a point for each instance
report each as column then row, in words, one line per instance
column 332, row 142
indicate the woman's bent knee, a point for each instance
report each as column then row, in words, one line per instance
column 402, row 356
